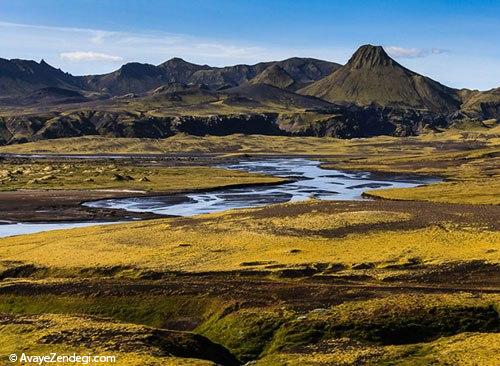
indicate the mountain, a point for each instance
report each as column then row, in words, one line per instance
column 371, row 76
column 25, row 76
column 22, row 76
column 482, row 105
column 265, row 94
column 301, row 70
column 139, row 78
column 276, row 76
column 223, row 76
column 371, row 95
column 45, row 96
column 304, row 70
column 178, row 70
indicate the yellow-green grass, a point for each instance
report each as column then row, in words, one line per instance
column 255, row 332
column 485, row 191
column 237, row 143
column 147, row 309
column 375, row 331
column 180, row 143
column 395, row 319
column 53, row 175
column 232, row 240
column 472, row 176
column 468, row 157
column 67, row 335
column 464, row 349
column 273, row 331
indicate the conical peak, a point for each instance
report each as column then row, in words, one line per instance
column 176, row 60
column 369, row 56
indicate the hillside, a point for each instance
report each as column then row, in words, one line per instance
column 276, row 76
column 24, row 76
column 139, row 78
column 266, row 94
column 301, row 70
column 484, row 104
column 371, row 76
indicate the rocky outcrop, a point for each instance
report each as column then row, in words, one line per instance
column 342, row 121
column 29, row 128
column 354, row 122
column 250, row 124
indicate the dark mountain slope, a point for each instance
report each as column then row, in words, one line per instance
column 178, row 70
column 268, row 95
column 140, row 78
column 230, row 76
column 305, row 70
column 45, row 96
column 24, row 76
column 301, row 70
column 276, row 76
column 371, row 76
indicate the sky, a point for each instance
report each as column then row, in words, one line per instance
column 455, row 42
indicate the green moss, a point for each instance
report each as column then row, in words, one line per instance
column 297, row 333
column 386, row 323
column 244, row 332
column 157, row 311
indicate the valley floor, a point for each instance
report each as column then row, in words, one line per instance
column 411, row 278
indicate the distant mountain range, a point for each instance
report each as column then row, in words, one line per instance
column 372, row 94
column 22, row 76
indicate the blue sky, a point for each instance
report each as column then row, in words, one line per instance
column 454, row 42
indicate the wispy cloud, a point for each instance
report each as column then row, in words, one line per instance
column 77, row 49
column 402, row 52
column 79, row 56
column 101, row 45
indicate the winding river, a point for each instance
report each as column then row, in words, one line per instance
column 309, row 181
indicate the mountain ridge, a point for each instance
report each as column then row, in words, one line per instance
column 24, row 76
column 20, row 76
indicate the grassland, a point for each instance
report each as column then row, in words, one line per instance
column 129, row 344
column 311, row 232
column 91, row 176
column 308, row 283
column 466, row 349
column 425, row 144
column 386, row 328
column 486, row 191
column 411, row 279
column 468, row 160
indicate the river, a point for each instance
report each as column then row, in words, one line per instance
column 309, row 181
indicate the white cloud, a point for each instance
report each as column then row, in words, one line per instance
column 79, row 56
column 401, row 52
column 64, row 46
column 157, row 47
